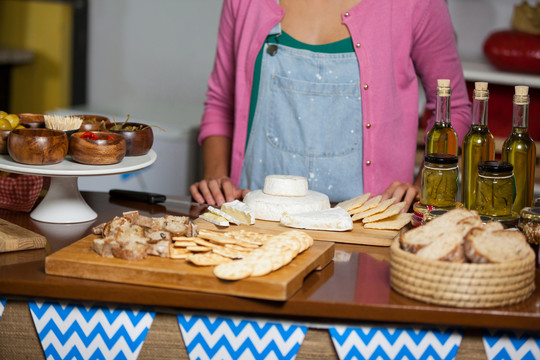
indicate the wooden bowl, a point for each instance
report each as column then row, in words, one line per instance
column 138, row 142
column 37, row 146
column 3, row 141
column 34, row 121
column 94, row 122
column 108, row 148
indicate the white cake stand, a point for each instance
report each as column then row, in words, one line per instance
column 63, row 203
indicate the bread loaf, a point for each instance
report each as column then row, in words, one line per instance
column 485, row 245
column 456, row 221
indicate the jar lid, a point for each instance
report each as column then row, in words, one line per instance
column 530, row 213
column 438, row 158
column 495, row 166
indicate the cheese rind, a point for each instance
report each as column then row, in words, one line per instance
column 334, row 219
column 270, row 207
column 239, row 211
column 224, row 215
column 214, row 219
column 285, row 185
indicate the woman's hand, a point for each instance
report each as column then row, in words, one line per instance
column 216, row 191
column 402, row 192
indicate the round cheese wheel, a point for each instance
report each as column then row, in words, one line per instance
column 285, row 185
column 271, row 207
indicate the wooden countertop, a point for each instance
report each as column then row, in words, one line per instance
column 355, row 287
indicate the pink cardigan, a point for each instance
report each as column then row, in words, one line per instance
column 395, row 40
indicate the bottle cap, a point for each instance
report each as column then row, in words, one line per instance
column 443, row 87
column 438, row 158
column 443, row 82
column 521, row 95
column 522, row 90
column 494, row 166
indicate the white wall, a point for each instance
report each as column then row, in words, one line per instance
column 474, row 20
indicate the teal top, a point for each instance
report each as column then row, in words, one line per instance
column 341, row 46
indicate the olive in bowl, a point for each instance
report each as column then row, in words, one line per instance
column 37, row 146
column 139, row 137
column 93, row 122
column 97, row 147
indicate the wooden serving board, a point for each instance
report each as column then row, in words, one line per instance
column 14, row 237
column 358, row 235
column 80, row 261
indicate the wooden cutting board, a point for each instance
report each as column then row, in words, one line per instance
column 358, row 235
column 14, row 237
column 79, row 260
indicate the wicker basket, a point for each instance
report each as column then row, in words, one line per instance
column 461, row 285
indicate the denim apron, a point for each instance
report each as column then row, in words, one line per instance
column 307, row 122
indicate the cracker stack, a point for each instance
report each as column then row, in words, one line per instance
column 376, row 213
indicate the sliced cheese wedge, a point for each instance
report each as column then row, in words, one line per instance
column 239, row 211
column 214, row 219
column 224, row 215
column 334, row 219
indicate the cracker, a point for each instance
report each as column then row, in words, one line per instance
column 238, row 247
column 370, row 204
column 206, row 243
column 178, row 253
column 207, row 259
column 354, row 203
column 230, row 253
column 383, row 205
column 395, row 222
column 216, row 237
column 261, row 267
column 198, row 248
column 249, row 236
column 235, row 270
column 390, row 211
column 183, row 243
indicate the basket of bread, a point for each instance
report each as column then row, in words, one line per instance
column 456, row 260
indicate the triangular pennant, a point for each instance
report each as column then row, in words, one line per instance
column 68, row 330
column 367, row 342
column 2, row 306
column 509, row 344
column 212, row 337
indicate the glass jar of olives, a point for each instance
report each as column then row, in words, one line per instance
column 439, row 180
column 495, row 188
column 529, row 223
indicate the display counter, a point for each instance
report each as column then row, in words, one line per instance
column 353, row 291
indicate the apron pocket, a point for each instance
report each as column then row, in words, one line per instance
column 294, row 125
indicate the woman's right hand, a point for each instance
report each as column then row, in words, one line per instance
column 216, row 191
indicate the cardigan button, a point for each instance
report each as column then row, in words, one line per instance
column 346, row 13
column 366, row 87
column 357, row 45
column 368, row 125
column 368, row 163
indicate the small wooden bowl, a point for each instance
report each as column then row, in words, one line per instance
column 108, row 148
column 34, row 121
column 37, row 146
column 3, row 141
column 138, row 142
column 94, row 122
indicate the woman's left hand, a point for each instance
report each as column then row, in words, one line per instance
column 402, row 192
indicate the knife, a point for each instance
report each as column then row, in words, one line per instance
column 147, row 197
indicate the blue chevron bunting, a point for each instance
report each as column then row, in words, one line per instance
column 77, row 331
column 509, row 344
column 2, row 306
column 420, row 343
column 210, row 337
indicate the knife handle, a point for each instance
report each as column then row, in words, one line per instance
column 147, row 197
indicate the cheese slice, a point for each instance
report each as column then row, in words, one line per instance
column 239, row 211
column 285, row 185
column 224, row 215
column 270, row 207
column 334, row 219
column 214, row 219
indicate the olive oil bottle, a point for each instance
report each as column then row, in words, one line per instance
column 442, row 138
column 519, row 150
column 478, row 145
